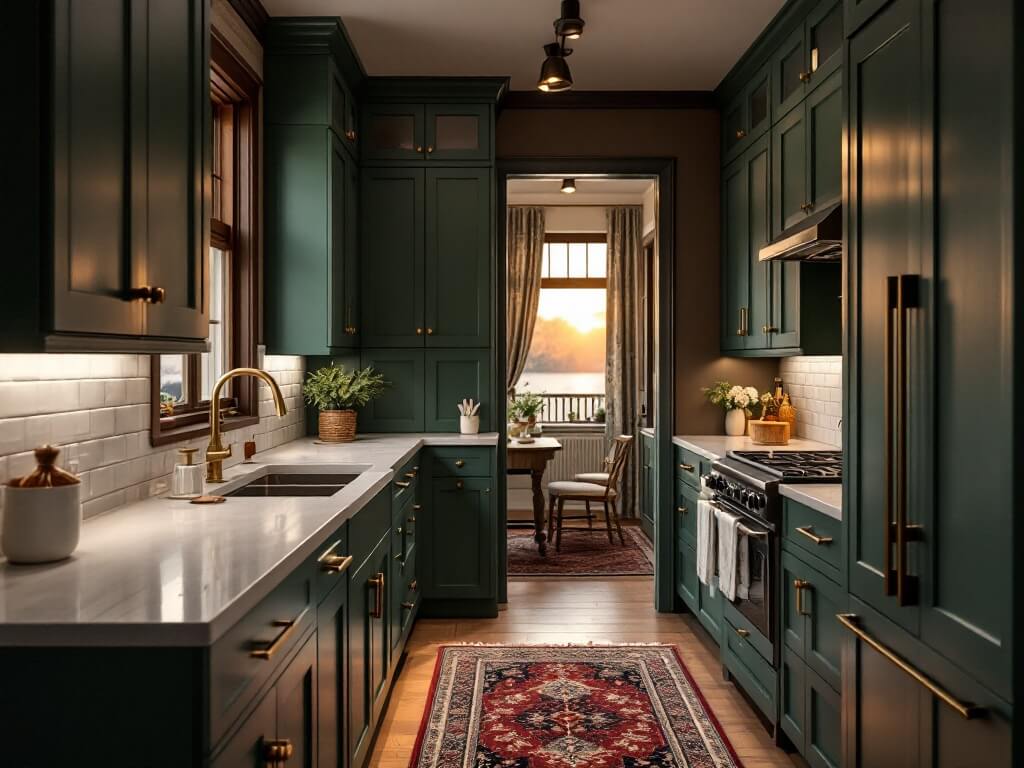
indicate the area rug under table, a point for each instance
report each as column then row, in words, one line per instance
column 613, row 706
column 584, row 553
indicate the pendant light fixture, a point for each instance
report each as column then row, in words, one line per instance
column 554, row 72
column 568, row 186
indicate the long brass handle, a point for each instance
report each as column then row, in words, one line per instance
column 687, row 467
column 906, row 585
column 808, row 531
column 799, row 585
column 966, row 710
column 266, row 651
column 377, row 582
column 888, row 563
column 277, row 751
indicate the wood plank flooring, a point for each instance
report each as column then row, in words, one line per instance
column 572, row 610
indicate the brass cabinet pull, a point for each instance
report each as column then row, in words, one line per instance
column 398, row 557
column 377, row 582
column 410, row 475
column 806, row 207
column 411, row 520
column 416, row 507
column 414, row 585
column 687, row 467
column 408, row 606
column 740, row 133
column 804, row 77
column 743, row 632
column 459, row 485
column 151, row 294
column 335, row 563
column 799, row 585
column 266, row 651
column 766, row 329
column 277, row 751
column 459, row 463
column 350, row 135
column 808, row 531
column 682, row 510
column 965, row 710
column 743, row 330
column 402, row 483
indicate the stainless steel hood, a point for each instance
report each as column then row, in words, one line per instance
column 819, row 237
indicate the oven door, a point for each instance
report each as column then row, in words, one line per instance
column 757, row 607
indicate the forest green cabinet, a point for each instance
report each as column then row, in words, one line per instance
column 401, row 406
column 111, row 156
column 427, row 132
column 812, row 52
column 648, row 455
column 747, row 116
column 332, row 657
column 459, row 536
column 454, row 375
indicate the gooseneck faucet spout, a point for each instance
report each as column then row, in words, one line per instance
column 215, row 451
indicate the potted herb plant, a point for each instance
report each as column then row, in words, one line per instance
column 527, row 407
column 336, row 393
column 736, row 401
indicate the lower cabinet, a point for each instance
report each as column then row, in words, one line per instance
column 284, row 722
column 810, row 713
column 709, row 609
column 332, row 677
column 686, row 574
column 647, row 495
column 460, row 538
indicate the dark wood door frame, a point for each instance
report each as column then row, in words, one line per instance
column 663, row 170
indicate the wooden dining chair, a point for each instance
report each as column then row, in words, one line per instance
column 562, row 491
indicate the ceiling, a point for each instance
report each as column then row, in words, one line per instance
column 592, row 191
column 628, row 45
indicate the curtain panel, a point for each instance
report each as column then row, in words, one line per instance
column 524, row 249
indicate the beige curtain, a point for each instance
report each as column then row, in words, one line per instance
column 524, row 247
column 623, row 328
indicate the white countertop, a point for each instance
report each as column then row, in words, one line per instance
column 163, row 572
column 827, row 498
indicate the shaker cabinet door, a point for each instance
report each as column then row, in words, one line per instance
column 735, row 257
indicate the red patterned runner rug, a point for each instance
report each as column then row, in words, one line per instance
column 605, row 706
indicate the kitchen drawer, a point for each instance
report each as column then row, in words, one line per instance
column 406, row 481
column 461, row 462
column 686, row 512
column 688, row 466
column 272, row 630
column 403, row 530
column 807, row 531
column 405, row 598
column 762, row 644
column 368, row 526
column 331, row 562
column 750, row 671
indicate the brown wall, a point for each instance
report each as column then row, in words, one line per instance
column 692, row 137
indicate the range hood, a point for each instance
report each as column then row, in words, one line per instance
column 817, row 238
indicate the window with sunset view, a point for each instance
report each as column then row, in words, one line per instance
column 567, row 351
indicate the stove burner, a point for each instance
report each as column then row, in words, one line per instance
column 796, row 466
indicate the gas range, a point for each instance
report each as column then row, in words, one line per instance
column 750, row 480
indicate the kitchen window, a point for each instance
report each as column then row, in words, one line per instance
column 182, row 384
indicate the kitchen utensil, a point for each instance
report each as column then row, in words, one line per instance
column 42, row 512
column 187, row 482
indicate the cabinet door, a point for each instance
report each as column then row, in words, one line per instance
column 351, row 260
column 825, row 40
column 789, row 171
column 453, row 375
column 686, row 574
column 178, row 159
column 459, row 537
column 244, row 749
column 735, row 257
column 784, row 290
column 339, row 317
column 647, row 484
column 790, row 72
column 758, row 97
column 296, row 706
column 400, row 407
column 367, row 648
column 809, row 604
column 792, row 699
column 884, row 239
column 458, row 131
column 392, row 257
column 377, row 631
column 710, row 611
column 393, row 132
column 759, row 226
column 458, row 257
column 332, row 676
column 824, row 737
column 823, row 111
column 97, row 256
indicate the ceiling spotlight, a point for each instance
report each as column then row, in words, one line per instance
column 554, row 73
column 568, row 186
column 569, row 24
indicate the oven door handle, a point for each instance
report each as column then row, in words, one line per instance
column 745, row 529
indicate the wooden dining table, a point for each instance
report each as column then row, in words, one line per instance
column 532, row 459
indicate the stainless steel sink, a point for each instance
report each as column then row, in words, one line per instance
column 296, row 481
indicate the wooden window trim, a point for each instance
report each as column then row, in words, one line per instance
column 577, row 237
column 574, row 282
column 231, row 81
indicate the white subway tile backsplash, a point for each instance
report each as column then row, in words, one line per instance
column 815, row 386
column 96, row 407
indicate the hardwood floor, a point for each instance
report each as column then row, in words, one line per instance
column 572, row 610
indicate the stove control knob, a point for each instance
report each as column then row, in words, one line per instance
column 762, row 501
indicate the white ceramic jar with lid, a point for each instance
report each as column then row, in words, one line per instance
column 42, row 512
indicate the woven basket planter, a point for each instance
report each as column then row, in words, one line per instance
column 337, row 426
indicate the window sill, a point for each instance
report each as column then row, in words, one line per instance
column 169, row 435
column 573, row 428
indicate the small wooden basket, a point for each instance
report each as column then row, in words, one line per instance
column 769, row 432
column 337, row 426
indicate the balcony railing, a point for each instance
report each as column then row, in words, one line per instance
column 570, row 408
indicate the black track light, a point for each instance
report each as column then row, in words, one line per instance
column 568, row 186
column 554, row 73
column 569, row 24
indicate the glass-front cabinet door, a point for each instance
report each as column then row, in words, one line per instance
column 825, row 40
column 393, row 132
column 458, row 131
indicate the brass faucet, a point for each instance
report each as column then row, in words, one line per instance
column 215, row 451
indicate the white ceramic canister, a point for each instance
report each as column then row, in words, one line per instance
column 469, row 425
column 42, row 512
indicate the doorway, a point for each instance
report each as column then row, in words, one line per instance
column 562, row 373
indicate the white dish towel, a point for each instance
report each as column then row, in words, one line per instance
column 728, row 548
column 706, row 548
column 743, row 567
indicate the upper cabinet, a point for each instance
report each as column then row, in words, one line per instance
column 311, row 217
column 813, row 51
column 112, row 157
column 747, row 116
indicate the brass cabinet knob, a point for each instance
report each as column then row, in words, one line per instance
column 430, row 331
column 741, row 134
column 806, row 207
column 419, row 331
column 460, row 463
column 419, row 149
column 804, row 77
column 350, row 135
column 350, row 330
column 430, row 149
column 459, row 485
column 414, row 585
column 766, row 329
column 277, row 751
column 151, row 294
